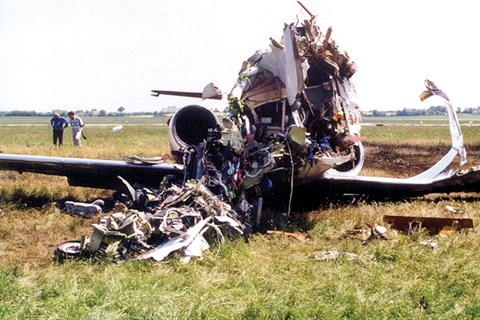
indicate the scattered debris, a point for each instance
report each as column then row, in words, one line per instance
column 299, row 237
column 179, row 221
column 432, row 224
column 85, row 210
column 327, row 255
column 432, row 244
column 375, row 231
column 332, row 255
column 450, row 209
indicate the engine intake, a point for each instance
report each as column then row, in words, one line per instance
column 189, row 127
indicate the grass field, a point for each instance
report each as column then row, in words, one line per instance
column 270, row 277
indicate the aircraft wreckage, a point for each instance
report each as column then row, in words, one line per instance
column 293, row 128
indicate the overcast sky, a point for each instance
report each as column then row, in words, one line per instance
column 83, row 54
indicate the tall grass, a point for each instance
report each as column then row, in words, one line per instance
column 270, row 277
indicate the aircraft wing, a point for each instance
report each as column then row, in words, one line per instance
column 93, row 173
column 383, row 187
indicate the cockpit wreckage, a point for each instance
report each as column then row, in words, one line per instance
column 293, row 128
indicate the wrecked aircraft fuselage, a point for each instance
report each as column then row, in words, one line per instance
column 293, row 115
column 297, row 93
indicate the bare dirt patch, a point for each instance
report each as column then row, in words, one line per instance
column 405, row 160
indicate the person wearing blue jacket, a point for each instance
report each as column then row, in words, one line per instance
column 58, row 124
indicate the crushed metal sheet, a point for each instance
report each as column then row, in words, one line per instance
column 183, row 241
column 85, row 210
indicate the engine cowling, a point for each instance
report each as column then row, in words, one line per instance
column 189, row 127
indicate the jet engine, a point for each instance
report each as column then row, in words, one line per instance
column 188, row 127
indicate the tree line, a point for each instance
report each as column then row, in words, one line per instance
column 431, row 111
column 89, row 113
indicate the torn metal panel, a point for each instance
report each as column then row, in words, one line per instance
column 455, row 132
column 268, row 89
column 293, row 68
column 161, row 252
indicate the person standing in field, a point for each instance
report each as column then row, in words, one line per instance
column 77, row 126
column 58, row 124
